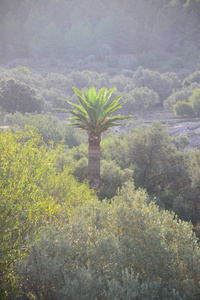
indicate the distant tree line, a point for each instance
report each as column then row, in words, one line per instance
column 157, row 31
column 24, row 91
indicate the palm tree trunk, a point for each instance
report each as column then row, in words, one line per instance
column 94, row 178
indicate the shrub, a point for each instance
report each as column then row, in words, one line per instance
column 17, row 96
column 49, row 127
column 128, row 73
column 80, row 168
column 141, row 99
column 177, row 96
column 80, row 79
column 113, row 177
column 183, row 108
column 124, row 250
column 33, row 193
column 162, row 84
column 56, row 81
column 195, row 100
column 195, row 77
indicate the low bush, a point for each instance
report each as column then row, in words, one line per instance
column 126, row 249
column 17, row 96
column 34, row 193
column 183, row 108
column 48, row 126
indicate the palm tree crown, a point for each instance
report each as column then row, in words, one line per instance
column 94, row 110
column 93, row 115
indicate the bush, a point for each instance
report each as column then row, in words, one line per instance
column 148, row 60
column 104, row 50
column 55, row 81
column 17, row 96
column 195, row 77
column 113, row 177
column 128, row 73
column 124, row 250
column 120, row 82
column 33, row 193
column 162, row 84
column 183, row 108
column 49, row 127
column 141, row 99
column 77, row 159
column 177, row 96
column 195, row 100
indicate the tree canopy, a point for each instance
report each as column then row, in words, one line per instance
column 62, row 29
column 126, row 249
column 33, row 194
column 94, row 110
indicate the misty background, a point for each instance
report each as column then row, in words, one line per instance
column 159, row 34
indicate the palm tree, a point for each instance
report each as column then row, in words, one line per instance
column 92, row 114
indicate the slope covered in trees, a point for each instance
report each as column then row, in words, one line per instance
column 57, row 240
column 55, row 234
column 34, row 194
column 157, row 32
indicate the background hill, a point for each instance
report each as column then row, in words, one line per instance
column 162, row 35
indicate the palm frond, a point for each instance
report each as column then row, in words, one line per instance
column 68, row 102
column 106, row 126
column 82, row 100
column 115, row 105
column 101, row 99
column 60, row 109
column 79, row 125
column 94, row 109
column 119, row 118
column 79, row 116
column 92, row 95
column 109, row 93
column 80, row 109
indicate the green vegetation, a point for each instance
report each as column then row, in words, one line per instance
column 142, row 99
column 137, row 240
column 195, row 100
column 48, row 126
column 24, row 91
column 94, row 115
column 49, row 221
column 34, row 194
column 183, row 108
column 126, row 249
column 160, row 33
column 17, row 96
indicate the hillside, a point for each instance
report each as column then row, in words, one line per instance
column 176, row 125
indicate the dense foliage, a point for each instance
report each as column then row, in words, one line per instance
column 34, row 193
column 39, row 191
column 126, row 249
column 49, row 127
column 157, row 31
column 94, row 114
column 154, row 160
column 17, row 96
column 24, row 91
column 183, row 108
column 57, row 241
